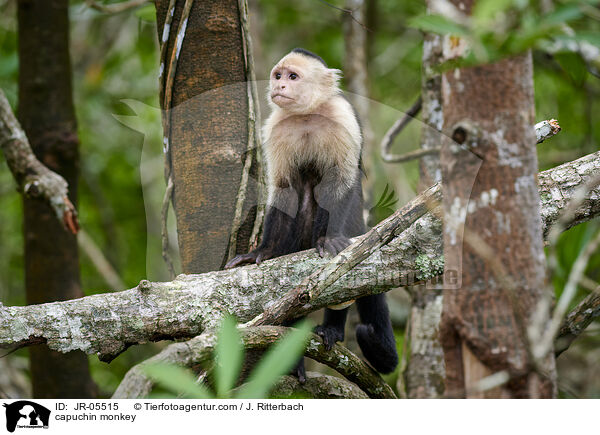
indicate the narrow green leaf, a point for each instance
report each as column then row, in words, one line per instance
column 382, row 197
column 177, row 379
column 278, row 361
column 561, row 15
column 229, row 355
column 437, row 24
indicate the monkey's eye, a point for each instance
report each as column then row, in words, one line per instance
column 293, row 76
column 277, row 76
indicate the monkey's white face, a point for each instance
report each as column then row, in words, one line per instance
column 288, row 87
column 298, row 84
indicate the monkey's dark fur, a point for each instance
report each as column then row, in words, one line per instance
column 312, row 150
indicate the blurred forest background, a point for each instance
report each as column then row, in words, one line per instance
column 115, row 69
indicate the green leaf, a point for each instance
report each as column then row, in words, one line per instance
column 573, row 65
column 177, row 379
column 437, row 24
column 590, row 37
column 561, row 15
column 147, row 13
column 229, row 355
column 278, row 361
column 485, row 10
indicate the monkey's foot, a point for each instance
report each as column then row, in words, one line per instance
column 257, row 256
column 299, row 371
column 332, row 244
column 330, row 335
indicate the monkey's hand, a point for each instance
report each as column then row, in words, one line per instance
column 332, row 244
column 330, row 335
column 257, row 256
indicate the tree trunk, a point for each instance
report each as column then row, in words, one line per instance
column 355, row 68
column 357, row 84
column 208, row 137
column 494, row 265
column 424, row 375
column 47, row 115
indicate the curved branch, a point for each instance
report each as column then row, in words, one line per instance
column 576, row 321
column 34, row 179
column 395, row 130
column 115, row 8
column 411, row 155
column 543, row 130
column 107, row 324
column 100, row 262
column 199, row 351
column 318, row 386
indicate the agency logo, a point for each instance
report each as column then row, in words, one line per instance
column 25, row 414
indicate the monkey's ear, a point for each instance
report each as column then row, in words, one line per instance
column 333, row 76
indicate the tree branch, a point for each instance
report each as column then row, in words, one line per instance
column 299, row 300
column 33, row 178
column 200, row 349
column 543, row 130
column 116, row 8
column 107, row 324
column 99, row 260
column 576, row 321
column 390, row 135
column 318, row 386
column 546, row 129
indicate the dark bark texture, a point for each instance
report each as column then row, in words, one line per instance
column 209, row 131
column 47, row 115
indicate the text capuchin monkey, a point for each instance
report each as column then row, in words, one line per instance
column 312, row 152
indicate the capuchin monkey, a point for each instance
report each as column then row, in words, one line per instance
column 312, row 149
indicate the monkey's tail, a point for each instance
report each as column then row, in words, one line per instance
column 375, row 335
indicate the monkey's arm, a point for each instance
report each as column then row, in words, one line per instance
column 279, row 233
column 276, row 241
column 339, row 216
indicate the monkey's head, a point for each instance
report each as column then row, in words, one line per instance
column 301, row 81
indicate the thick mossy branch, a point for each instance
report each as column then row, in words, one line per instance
column 299, row 300
column 199, row 352
column 108, row 323
column 317, row 386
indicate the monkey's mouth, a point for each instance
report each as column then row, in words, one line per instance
column 275, row 95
